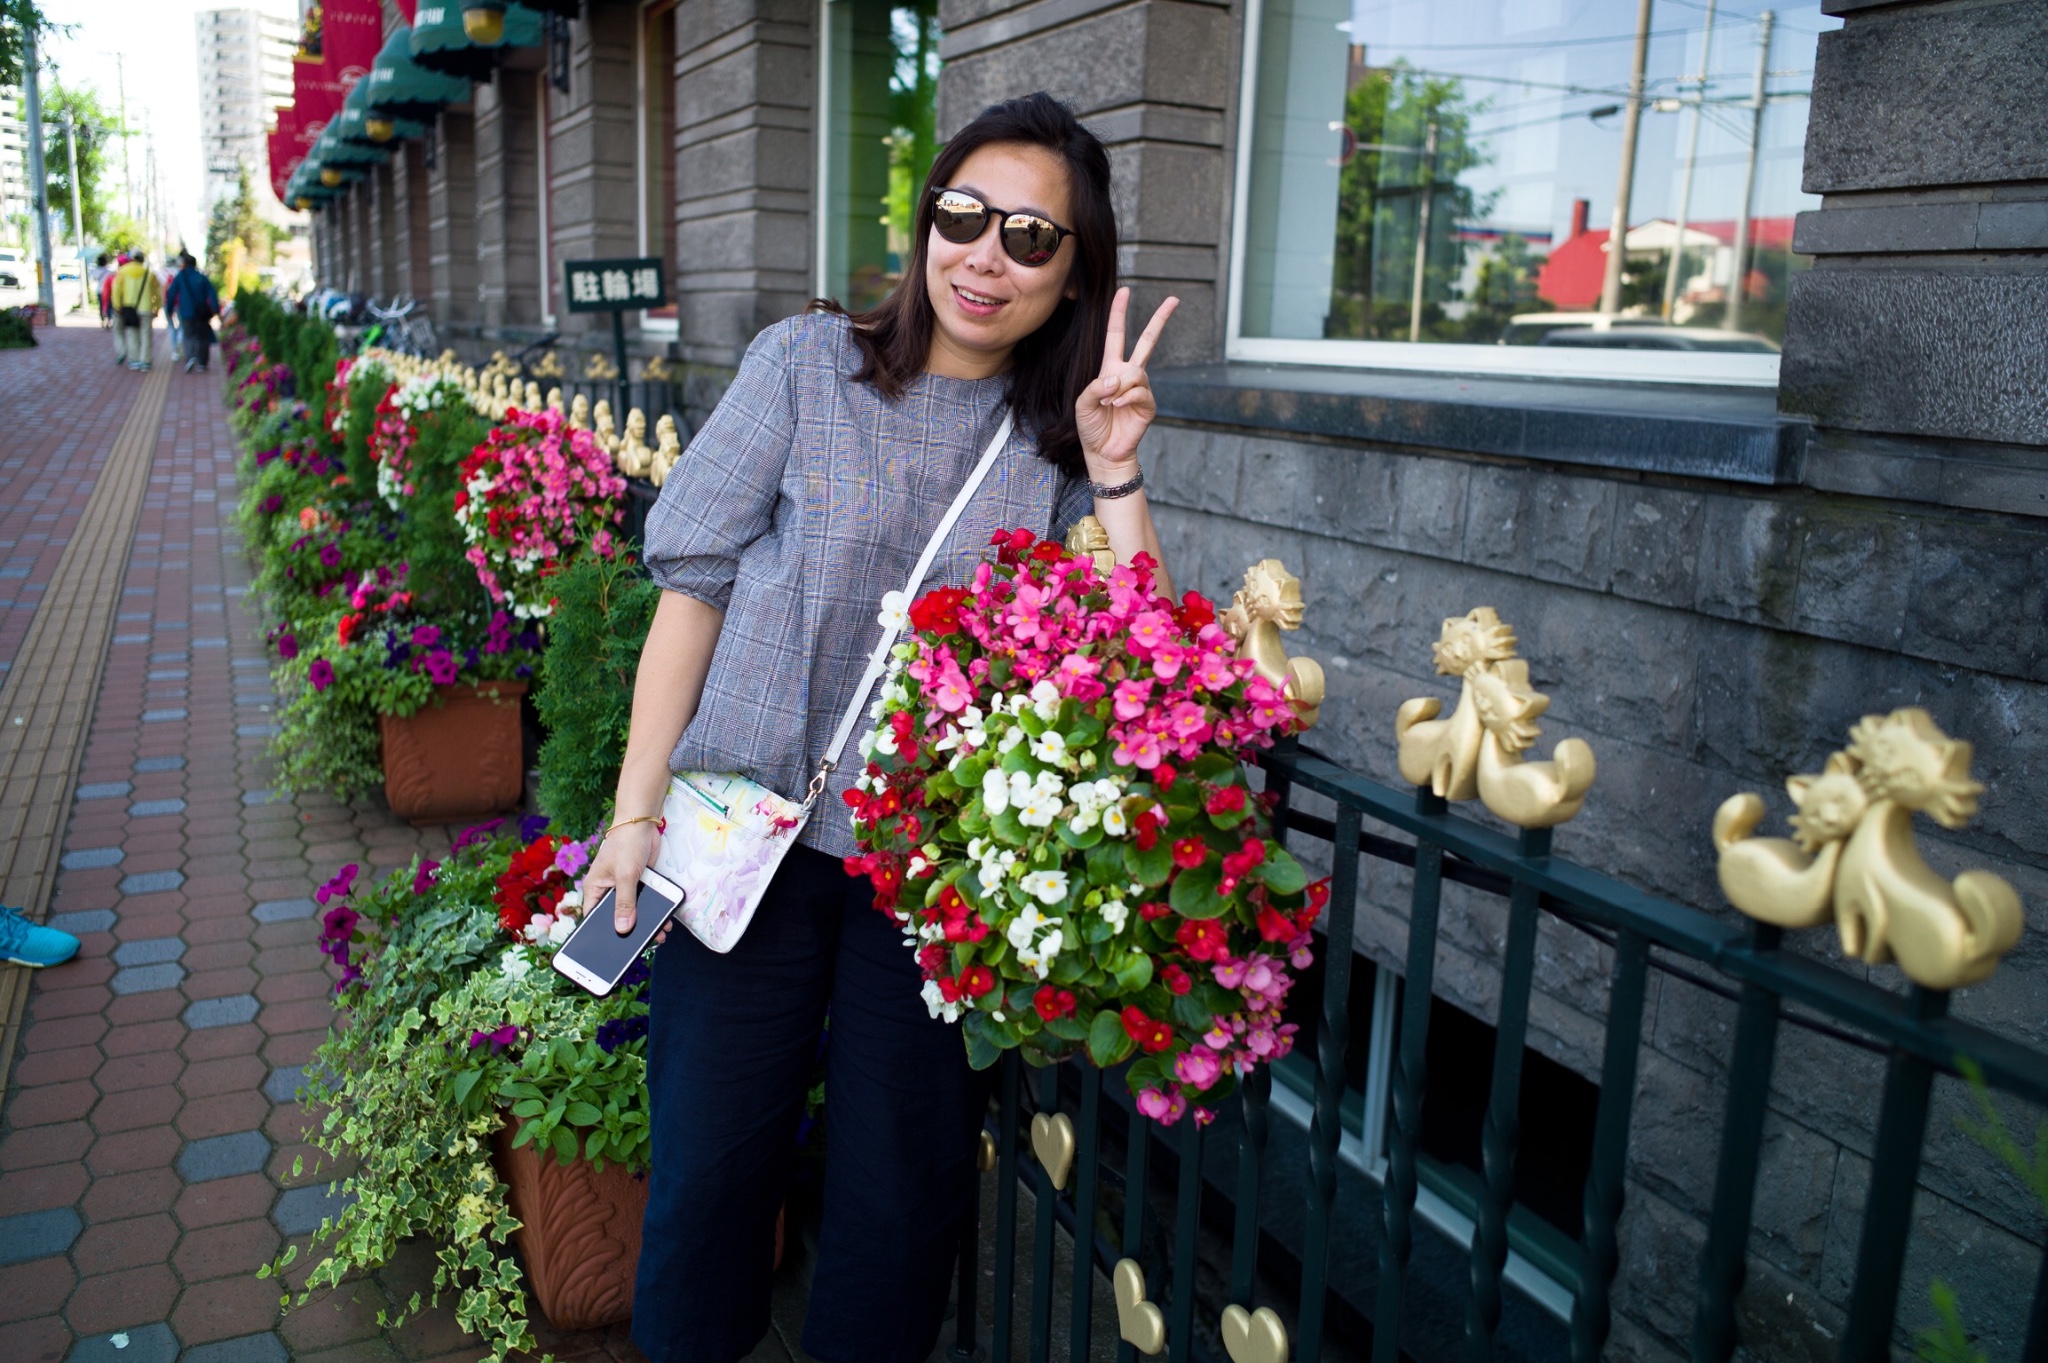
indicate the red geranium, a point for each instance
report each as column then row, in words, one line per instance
column 531, row 885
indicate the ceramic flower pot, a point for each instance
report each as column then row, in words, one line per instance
column 579, row 1232
column 456, row 758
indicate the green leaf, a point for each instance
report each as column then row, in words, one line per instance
column 1191, row 1015
column 1194, row 893
column 1106, row 864
column 1231, row 818
column 1149, row 868
column 1070, row 1027
column 1108, row 1043
column 582, row 1114
column 565, row 1144
column 1280, row 871
column 1006, row 828
column 1086, row 839
column 1086, row 732
column 1133, row 972
column 982, row 1050
column 528, row 1107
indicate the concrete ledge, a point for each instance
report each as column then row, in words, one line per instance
column 1733, row 436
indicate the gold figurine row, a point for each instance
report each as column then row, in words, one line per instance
column 495, row 389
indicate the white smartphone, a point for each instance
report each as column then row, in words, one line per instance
column 596, row 956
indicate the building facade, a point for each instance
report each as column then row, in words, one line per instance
column 245, row 70
column 1781, row 464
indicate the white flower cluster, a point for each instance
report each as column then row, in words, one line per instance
column 428, row 392
column 554, row 929
column 1036, row 938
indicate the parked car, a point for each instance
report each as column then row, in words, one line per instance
column 13, row 269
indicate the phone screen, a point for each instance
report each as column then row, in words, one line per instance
column 598, row 948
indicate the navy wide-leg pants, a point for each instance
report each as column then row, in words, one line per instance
column 731, row 1042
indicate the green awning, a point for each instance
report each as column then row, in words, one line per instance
column 352, row 123
column 335, row 150
column 399, row 87
column 439, row 44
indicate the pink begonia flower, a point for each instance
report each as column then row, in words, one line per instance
column 1163, row 1108
column 1230, row 974
column 1127, row 594
column 1218, row 1037
column 1151, row 630
column 1189, row 722
column 1131, row 699
column 951, row 691
column 1077, row 678
column 1301, row 951
column 1137, row 748
column 1215, row 672
column 1166, row 662
column 1203, row 1116
column 1197, row 1068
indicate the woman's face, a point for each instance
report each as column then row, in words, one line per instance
column 985, row 302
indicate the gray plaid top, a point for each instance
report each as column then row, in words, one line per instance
column 802, row 500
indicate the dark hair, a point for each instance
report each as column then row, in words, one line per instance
column 102, row 260
column 1051, row 366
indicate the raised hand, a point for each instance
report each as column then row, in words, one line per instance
column 1113, row 412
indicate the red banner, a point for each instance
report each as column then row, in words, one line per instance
column 407, row 9
column 281, row 152
column 315, row 100
column 351, row 32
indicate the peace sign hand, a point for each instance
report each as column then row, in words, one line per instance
column 1114, row 411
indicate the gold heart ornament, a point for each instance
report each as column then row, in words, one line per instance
column 1137, row 1320
column 1253, row 1336
column 1052, row 1140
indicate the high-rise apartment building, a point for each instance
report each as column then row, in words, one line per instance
column 14, row 196
column 245, row 70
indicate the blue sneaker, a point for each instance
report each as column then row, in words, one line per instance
column 31, row 944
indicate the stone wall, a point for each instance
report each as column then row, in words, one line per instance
column 451, row 221
column 744, row 166
column 1705, row 639
column 591, row 171
column 508, row 201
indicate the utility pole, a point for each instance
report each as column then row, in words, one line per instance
column 1422, row 231
column 38, row 192
column 1692, row 154
column 77, row 217
column 1765, row 22
column 127, row 176
column 1624, row 184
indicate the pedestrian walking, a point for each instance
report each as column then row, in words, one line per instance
column 171, row 321
column 192, row 299
column 832, row 461
column 98, row 275
column 108, row 311
column 137, row 296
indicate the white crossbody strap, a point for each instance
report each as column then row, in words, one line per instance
column 879, row 659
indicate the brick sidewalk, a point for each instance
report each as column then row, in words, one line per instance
column 148, row 1130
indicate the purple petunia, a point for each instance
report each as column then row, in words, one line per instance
column 330, row 556
column 423, row 878
column 532, row 826
column 426, row 636
column 320, row 674
column 496, row 1038
column 441, row 667
column 287, row 646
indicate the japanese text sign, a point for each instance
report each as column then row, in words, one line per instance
column 616, row 285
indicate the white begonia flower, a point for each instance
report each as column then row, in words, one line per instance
column 991, row 876
column 1048, row 887
column 1011, row 739
column 569, row 903
column 917, row 865
column 1050, row 748
column 1045, row 699
column 1113, row 822
column 867, row 743
column 514, row 965
column 1050, row 944
column 895, row 612
column 559, row 929
column 950, row 741
column 1116, row 913
column 536, row 929
column 995, row 792
column 1024, row 926
column 977, row 848
column 885, row 741
column 936, row 1002
column 970, row 718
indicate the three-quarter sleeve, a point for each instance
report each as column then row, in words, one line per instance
column 720, row 496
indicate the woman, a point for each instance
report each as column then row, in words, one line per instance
column 810, row 492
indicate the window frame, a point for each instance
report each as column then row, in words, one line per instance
column 1590, row 365
column 647, row 18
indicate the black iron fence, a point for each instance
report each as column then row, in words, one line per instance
column 1415, row 828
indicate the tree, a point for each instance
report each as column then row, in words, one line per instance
column 1387, row 113
column 97, row 129
column 237, row 237
column 18, row 18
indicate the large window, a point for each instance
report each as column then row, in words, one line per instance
column 1425, row 175
column 878, row 87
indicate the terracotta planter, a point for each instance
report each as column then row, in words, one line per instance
column 457, row 757
column 579, row 1232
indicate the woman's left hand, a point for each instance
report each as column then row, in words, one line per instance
column 1114, row 411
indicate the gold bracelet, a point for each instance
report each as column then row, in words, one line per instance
column 625, row 823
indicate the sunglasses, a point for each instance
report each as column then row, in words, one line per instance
column 1027, row 238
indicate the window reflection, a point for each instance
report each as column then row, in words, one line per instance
column 881, row 93
column 1447, row 171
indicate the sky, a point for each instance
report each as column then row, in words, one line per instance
column 159, row 67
